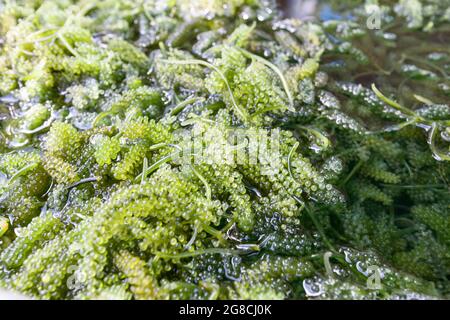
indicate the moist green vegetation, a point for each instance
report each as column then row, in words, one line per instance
column 97, row 99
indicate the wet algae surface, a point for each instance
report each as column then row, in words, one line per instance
column 210, row 150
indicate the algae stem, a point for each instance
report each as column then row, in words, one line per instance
column 291, row 152
column 239, row 110
column 179, row 107
column 392, row 103
column 22, row 171
column 198, row 253
column 277, row 71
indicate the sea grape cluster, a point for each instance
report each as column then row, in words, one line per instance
column 216, row 150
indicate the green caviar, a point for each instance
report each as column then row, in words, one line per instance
column 201, row 150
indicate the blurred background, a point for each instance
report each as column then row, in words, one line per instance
column 299, row 8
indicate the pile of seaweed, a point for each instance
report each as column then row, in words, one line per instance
column 215, row 150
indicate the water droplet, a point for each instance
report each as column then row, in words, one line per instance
column 312, row 288
column 360, row 268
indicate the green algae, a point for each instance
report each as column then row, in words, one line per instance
column 196, row 150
